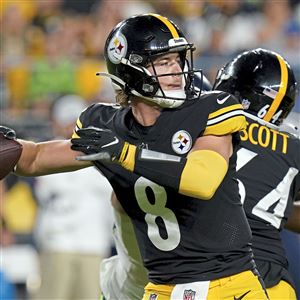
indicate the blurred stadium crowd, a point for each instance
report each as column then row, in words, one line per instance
column 53, row 48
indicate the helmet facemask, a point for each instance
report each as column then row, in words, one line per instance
column 152, row 90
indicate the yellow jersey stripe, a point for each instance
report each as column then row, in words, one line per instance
column 282, row 90
column 227, row 126
column 170, row 26
column 129, row 161
column 228, row 115
column 224, row 110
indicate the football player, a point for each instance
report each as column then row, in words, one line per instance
column 268, row 159
column 170, row 159
column 123, row 276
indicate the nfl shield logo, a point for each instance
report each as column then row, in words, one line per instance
column 153, row 297
column 189, row 295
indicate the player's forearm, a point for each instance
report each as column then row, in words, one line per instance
column 199, row 175
column 47, row 158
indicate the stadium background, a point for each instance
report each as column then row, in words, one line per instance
column 51, row 48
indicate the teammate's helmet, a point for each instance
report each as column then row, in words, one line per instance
column 133, row 44
column 262, row 81
column 291, row 124
column 201, row 82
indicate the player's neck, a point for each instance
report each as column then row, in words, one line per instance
column 145, row 114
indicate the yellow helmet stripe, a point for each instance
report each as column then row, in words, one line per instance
column 170, row 26
column 282, row 90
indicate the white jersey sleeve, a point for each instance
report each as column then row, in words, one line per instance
column 123, row 276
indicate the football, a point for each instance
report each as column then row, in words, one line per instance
column 10, row 152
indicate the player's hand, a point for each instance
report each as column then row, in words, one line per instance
column 8, row 132
column 98, row 144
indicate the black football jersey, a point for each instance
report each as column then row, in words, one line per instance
column 268, row 172
column 181, row 239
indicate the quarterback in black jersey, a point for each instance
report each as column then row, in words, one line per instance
column 268, row 159
column 174, row 164
column 169, row 153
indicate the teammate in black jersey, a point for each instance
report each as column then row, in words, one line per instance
column 268, row 160
column 169, row 154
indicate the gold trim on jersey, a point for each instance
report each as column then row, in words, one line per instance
column 170, row 26
column 224, row 110
column 282, row 90
column 226, row 120
column 128, row 158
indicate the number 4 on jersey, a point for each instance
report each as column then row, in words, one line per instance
column 279, row 194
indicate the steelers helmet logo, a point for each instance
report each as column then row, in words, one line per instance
column 181, row 142
column 117, row 48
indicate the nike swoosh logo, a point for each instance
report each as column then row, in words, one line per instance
column 223, row 100
column 116, row 141
column 242, row 296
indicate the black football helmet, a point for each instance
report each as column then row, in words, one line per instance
column 133, row 44
column 202, row 82
column 291, row 124
column 263, row 82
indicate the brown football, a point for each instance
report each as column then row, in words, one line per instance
column 10, row 152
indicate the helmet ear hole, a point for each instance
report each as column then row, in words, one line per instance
column 142, row 82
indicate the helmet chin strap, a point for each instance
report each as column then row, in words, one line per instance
column 162, row 102
column 174, row 94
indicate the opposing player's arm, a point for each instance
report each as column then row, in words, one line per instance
column 293, row 222
column 47, row 158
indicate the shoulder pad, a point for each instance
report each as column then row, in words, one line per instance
column 95, row 115
column 226, row 114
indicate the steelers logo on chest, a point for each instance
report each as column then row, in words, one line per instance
column 181, row 142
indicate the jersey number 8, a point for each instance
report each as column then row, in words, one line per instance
column 155, row 210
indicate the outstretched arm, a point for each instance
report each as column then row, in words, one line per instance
column 198, row 175
column 47, row 158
